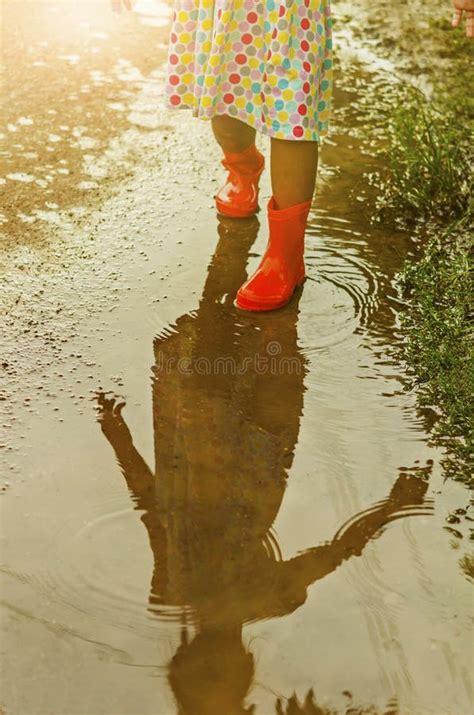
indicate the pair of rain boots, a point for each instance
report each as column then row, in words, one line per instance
column 281, row 269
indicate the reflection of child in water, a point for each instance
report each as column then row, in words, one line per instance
column 224, row 441
column 226, row 570
column 262, row 67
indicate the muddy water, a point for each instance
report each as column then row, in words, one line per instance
column 205, row 510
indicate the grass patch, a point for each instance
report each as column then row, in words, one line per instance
column 430, row 162
column 438, row 345
column 428, row 187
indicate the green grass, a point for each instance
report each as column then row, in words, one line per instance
column 428, row 188
column 430, row 161
column 454, row 88
column 438, row 344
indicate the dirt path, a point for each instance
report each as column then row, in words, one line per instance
column 182, row 582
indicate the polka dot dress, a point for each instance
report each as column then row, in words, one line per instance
column 267, row 63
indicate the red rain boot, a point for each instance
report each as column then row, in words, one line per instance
column 282, row 266
column 239, row 196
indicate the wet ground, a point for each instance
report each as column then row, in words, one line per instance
column 205, row 510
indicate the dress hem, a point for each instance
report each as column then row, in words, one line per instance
column 261, row 126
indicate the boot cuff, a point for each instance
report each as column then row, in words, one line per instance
column 289, row 212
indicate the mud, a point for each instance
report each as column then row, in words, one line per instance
column 203, row 510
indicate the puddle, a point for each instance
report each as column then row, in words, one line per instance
column 203, row 510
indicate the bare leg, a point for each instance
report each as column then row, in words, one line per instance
column 232, row 134
column 293, row 170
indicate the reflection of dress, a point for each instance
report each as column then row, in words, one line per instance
column 225, row 427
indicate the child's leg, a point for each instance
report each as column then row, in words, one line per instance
column 239, row 195
column 293, row 170
column 232, row 134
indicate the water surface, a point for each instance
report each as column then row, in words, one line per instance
column 205, row 510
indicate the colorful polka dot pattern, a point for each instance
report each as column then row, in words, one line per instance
column 267, row 63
